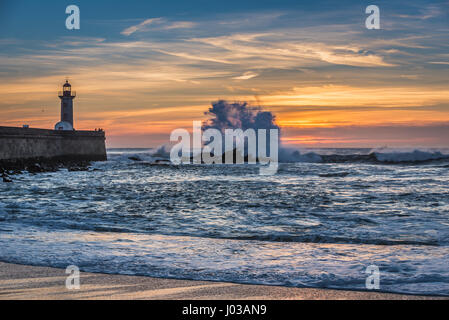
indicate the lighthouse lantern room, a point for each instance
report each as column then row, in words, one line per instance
column 66, row 96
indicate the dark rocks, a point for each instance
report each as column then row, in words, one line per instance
column 34, row 166
column 134, row 158
column 246, row 158
column 7, row 180
column 78, row 169
column 162, row 161
column 43, row 167
column 336, row 158
column 77, row 166
column 48, row 167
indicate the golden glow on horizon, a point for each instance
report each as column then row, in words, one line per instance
column 338, row 95
column 308, row 107
column 155, row 87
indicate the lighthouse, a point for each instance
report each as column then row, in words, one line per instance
column 66, row 96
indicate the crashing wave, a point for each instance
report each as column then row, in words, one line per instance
column 414, row 156
column 379, row 157
column 138, row 155
column 296, row 156
column 287, row 155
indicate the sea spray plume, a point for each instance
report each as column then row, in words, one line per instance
column 238, row 115
column 255, row 132
column 162, row 152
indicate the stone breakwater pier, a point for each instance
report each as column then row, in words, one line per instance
column 39, row 150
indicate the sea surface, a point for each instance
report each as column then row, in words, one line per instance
column 324, row 218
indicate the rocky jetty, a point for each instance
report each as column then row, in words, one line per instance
column 10, row 168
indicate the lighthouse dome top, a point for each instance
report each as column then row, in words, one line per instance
column 67, row 84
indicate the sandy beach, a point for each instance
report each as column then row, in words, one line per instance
column 20, row 282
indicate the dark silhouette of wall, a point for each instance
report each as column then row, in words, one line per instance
column 43, row 144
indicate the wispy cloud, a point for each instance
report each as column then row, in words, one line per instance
column 141, row 26
column 312, row 76
column 160, row 23
column 179, row 25
column 246, row 76
column 279, row 50
column 425, row 13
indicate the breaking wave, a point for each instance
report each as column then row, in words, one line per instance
column 286, row 155
column 413, row 157
column 139, row 154
column 381, row 156
column 316, row 223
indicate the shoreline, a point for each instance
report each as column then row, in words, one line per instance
column 24, row 282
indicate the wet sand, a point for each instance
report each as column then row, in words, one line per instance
column 19, row 282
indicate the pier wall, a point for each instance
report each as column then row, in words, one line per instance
column 19, row 144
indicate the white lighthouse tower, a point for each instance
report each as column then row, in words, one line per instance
column 66, row 96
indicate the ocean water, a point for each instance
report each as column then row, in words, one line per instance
column 324, row 218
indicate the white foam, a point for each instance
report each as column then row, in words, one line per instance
column 289, row 155
column 414, row 156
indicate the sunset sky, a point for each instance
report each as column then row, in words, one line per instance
column 144, row 68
